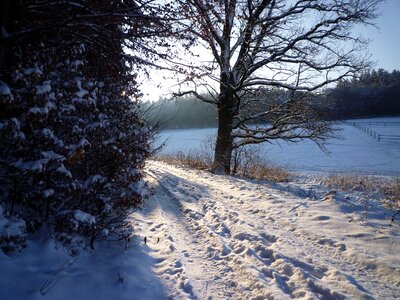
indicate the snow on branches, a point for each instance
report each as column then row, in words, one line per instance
column 71, row 140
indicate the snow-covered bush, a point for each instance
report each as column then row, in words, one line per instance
column 71, row 141
column 12, row 233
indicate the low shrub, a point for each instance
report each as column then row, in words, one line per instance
column 247, row 162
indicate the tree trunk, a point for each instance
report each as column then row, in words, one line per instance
column 224, row 143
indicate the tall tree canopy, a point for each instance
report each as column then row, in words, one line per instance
column 297, row 45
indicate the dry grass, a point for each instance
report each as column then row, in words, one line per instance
column 392, row 194
column 251, row 165
column 389, row 189
column 253, row 169
column 267, row 172
column 350, row 182
column 191, row 159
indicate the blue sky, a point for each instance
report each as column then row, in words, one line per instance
column 385, row 44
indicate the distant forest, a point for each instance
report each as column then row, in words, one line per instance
column 372, row 94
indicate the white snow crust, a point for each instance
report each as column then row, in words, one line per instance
column 205, row 236
column 218, row 237
column 45, row 271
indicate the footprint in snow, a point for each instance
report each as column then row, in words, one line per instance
column 332, row 243
column 265, row 253
column 154, row 228
column 242, row 236
column 269, row 237
column 321, row 218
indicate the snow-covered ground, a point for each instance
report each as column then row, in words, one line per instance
column 353, row 151
column 228, row 238
column 203, row 236
column 45, row 271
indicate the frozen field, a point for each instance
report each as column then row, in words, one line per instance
column 354, row 150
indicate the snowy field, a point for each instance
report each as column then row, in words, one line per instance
column 203, row 236
column 354, row 151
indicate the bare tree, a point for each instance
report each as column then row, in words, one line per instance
column 299, row 46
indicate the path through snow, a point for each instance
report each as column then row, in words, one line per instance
column 217, row 237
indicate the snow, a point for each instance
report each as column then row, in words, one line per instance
column 63, row 170
column 10, row 226
column 77, row 63
column 231, row 238
column 34, row 165
column 51, row 155
column 67, row 108
column 84, row 217
column 47, row 272
column 353, row 152
column 35, row 110
column 4, row 89
column 205, row 236
column 20, row 135
column 82, row 142
column 78, row 81
column 38, row 165
column 96, row 125
column 17, row 124
column 42, row 110
column 93, row 180
column 33, row 70
column 44, row 88
column 140, row 188
column 48, row 193
column 82, row 93
column 49, row 134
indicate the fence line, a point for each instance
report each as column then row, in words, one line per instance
column 384, row 124
column 390, row 137
column 372, row 133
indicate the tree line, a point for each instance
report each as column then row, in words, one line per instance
column 371, row 94
column 182, row 112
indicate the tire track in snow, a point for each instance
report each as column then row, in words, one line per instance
column 213, row 230
column 294, row 277
column 253, row 259
column 152, row 224
column 193, row 257
column 250, row 260
column 237, row 280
